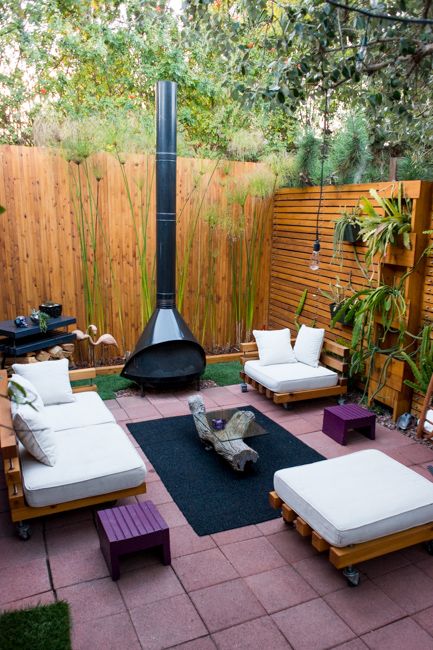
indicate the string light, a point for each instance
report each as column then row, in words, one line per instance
column 314, row 262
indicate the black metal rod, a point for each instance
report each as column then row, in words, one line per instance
column 166, row 194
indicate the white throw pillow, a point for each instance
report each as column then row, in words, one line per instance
column 34, row 432
column 50, row 378
column 274, row 346
column 28, row 394
column 308, row 345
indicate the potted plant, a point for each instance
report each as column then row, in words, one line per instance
column 336, row 296
column 377, row 230
column 346, row 229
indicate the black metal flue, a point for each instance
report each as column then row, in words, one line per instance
column 167, row 353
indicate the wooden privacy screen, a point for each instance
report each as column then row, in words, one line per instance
column 294, row 227
column 41, row 250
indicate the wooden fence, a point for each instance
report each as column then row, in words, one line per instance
column 295, row 213
column 69, row 226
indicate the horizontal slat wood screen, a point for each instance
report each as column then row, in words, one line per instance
column 295, row 212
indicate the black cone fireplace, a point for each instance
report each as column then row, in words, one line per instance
column 167, row 353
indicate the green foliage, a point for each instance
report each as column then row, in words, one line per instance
column 347, row 218
column 45, row 627
column 349, row 152
column 421, row 361
column 377, row 230
column 386, row 302
column 305, row 169
column 246, row 145
column 415, row 168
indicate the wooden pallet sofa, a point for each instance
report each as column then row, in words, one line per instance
column 285, row 383
column 95, row 462
column 356, row 507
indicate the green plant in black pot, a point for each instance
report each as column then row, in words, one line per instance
column 337, row 295
column 346, row 229
column 377, row 230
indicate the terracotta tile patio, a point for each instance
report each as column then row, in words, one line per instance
column 261, row 586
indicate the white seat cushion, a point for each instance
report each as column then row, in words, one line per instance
column 90, row 461
column 290, row 377
column 274, row 346
column 428, row 424
column 358, row 497
column 87, row 410
column 50, row 378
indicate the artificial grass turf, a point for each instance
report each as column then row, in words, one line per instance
column 223, row 374
column 45, row 627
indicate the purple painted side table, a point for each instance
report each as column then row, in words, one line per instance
column 338, row 420
column 126, row 529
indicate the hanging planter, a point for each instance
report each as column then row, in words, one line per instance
column 346, row 229
column 344, row 319
column 351, row 233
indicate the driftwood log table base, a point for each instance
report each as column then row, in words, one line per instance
column 227, row 442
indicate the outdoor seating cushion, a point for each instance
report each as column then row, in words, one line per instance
column 35, row 433
column 290, row 377
column 357, row 497
column 90, row 461
column 87, row 410
column 50, row 378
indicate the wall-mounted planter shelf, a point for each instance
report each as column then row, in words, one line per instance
column 398, row 255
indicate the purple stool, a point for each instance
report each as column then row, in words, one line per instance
column 337, row 420
column 126, row 529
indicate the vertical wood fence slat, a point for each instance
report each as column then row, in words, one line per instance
column 40, row 241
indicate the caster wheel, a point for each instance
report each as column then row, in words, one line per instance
column 23, row 531
column 352, row 576
column 287, row 406
column 429, row 547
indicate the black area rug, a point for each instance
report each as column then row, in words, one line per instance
column 212, row 496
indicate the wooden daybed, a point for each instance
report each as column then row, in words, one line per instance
column 323, row 502
column 19, row 508
column 333, row 356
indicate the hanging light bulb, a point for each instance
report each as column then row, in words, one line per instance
column 315, row 256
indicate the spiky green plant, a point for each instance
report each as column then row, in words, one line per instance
column 349, row 151
column 379, row 231
column 307, row 158
column 421, row 362
column 246, row 144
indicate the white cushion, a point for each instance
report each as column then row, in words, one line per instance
column 31, row 394
column 358, row 497
column 308, row 345
column 91, row 461
column 88, row 409
column 51, row 380
column 34, row 432
column 274, row 346
column 291, row 377
column 428, row 426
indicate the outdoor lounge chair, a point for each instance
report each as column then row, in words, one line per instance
column 356, row 507
column 93, row 462
column 318, row 370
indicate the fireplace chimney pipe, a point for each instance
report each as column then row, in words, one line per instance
column 166, row 194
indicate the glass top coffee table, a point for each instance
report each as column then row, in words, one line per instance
column 226, row 430
column 217, row 421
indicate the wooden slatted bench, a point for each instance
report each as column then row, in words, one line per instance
column 334, row 356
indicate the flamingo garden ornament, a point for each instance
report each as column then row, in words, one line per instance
column 90, row 336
